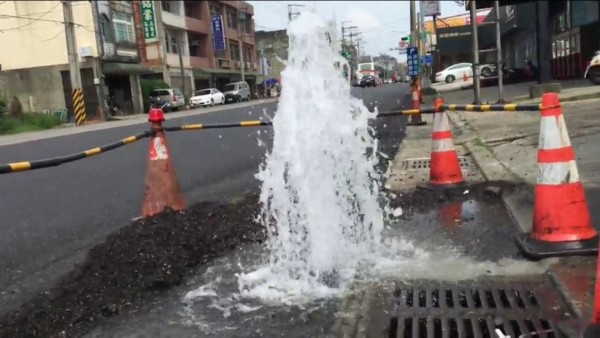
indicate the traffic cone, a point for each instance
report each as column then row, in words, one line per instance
column 465, row 77
column 162, row 188
column 561, row 219
column 415, row 119
column 444, row 168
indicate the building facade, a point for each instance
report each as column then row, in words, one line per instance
column 451, row 40
column 178, row 38
column 272, row 46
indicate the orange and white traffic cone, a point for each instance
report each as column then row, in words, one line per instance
column 444, row 169
column 561, row 219
column 162, row 188
column 416, row 119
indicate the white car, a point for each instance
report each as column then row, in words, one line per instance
column 459, row 70
column 207, row 97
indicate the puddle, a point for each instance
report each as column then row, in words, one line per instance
column 464, row 239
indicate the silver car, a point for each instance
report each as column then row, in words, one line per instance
column 173, row 98
column 237, row 92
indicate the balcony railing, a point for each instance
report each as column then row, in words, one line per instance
column 121, row 51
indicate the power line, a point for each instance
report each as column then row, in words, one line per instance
column 32, row 20
column 62, row 31
column 37, row 20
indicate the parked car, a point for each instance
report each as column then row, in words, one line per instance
column 172, row 97
column 368, row 81
column 457, row 71
column 237, row 92
column 207, row 97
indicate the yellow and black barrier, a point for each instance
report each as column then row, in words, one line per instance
column 491, row 107
column 56, row 161
column 430, row 110
column 198, row 126
column 78, row 106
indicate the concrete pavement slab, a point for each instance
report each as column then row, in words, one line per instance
column 504, row 146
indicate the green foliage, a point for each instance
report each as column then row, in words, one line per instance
column 30, row 122
column 147, row 87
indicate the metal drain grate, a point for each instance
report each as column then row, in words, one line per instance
column 424, row 163
column 474, row 311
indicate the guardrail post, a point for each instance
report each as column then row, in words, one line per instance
column 162, row 189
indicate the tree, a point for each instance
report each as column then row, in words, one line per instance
column 381, row 71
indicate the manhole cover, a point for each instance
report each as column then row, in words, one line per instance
column 424, row 163
column 475, row 310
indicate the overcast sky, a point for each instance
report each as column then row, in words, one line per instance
column 382, row 23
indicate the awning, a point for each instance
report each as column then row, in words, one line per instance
column 206, row 73
column 128, row 68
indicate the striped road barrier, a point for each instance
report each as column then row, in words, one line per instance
column 491, row 107
column 198, row 126
column 56, row 161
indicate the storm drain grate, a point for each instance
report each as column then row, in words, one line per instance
column 474, row 311
column 424, row 163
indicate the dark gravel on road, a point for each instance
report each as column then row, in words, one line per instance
column 134, row 265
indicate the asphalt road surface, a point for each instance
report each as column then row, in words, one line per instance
column 51, row 217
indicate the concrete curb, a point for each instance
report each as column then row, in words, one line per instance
column 519, row 206
column 493, row 170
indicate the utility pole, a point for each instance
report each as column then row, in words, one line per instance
column 345, row 29
column 263, row 61
column 74, row 70
column 98, row 76
column 413, row 23
column 498, row 53
column 426, row 81
column 476, row 84
column 181, row 70
column 291, row 13
column 241, row 21
column 179, row 54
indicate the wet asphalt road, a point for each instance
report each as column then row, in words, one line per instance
column 51, row 217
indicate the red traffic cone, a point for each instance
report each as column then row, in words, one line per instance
column 415, row 119
column 465, row 77
column 444, row 168
column 561, row 219
column 162, row 187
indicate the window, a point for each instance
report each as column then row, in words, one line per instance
column 169, row 6
column 106, row 29
column 214, row 10
column 171, row 43
column 234, row 51
column 232, row 18
column 124, row 28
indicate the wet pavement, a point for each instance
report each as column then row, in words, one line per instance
column 470, row 227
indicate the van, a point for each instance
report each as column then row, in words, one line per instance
column 237, row 92
column 173, row 98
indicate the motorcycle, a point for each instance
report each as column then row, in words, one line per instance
column 593, row 69
column 111, row 106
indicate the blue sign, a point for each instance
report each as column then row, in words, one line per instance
column 412, row 59
column 428, row 59
column 218, row 32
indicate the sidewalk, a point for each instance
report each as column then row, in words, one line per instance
column 519, row 92
column 504, row 146
column 70, row 129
